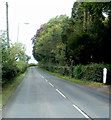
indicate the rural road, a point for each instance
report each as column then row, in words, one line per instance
column 41, row 95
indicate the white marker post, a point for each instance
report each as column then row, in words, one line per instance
column 104, row 75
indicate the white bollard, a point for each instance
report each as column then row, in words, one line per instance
column 104, row 75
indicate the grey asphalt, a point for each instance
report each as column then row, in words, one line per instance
column 41, row 95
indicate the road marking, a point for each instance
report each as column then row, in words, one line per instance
column 46, row 80
column 84, row 114
column 51, row 84
column 60, row 93
column 42, row 76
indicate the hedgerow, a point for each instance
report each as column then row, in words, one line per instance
column 92, row 72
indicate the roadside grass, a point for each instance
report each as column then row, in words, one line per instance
column 9, row 89
column 68, row 78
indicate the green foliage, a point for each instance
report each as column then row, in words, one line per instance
column 92, row 72
column 49, row 45
column 78, row 71
column 14, row 59
column 85, row 38
column 62, row 70
column 21, row 66
column 32, row 64
column 89, row 38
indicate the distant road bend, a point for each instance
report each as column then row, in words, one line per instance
column 41, row 95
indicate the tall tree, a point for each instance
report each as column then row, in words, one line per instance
column 50, row 42
column 88, row 32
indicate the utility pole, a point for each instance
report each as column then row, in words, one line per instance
column 7, row 24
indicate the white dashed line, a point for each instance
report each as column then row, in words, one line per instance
column 84, row 114
column 42, row 76
column 60, row 93
column 46, row 80
column 51, row 84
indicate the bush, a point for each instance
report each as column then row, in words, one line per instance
column 92, row 72
column 62, row 70
column 14, row 59
column 21, row 66
column 32, row 64
column 78, row 71
column 9, row 71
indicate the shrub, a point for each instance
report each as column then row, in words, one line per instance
column 62, row 70
column 92, row 72
column 78, row 71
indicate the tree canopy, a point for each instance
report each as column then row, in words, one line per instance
column 84, row 37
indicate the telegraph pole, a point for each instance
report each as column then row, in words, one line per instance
column 7, row 24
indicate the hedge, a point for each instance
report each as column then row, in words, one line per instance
column 91, row 72
column 14, row 69
column 62, row 70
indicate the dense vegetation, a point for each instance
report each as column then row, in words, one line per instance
column 82, row 39
column 14, row 60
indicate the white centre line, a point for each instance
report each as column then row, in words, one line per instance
column 46, row 80
column 84, row 114
column 60, row 93
column 51, row 84
column 42, row 76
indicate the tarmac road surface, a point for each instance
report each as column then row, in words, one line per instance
column 41, row 95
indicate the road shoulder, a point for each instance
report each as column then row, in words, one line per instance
column 104, row 89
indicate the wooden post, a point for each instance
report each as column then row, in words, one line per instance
column 7, row 24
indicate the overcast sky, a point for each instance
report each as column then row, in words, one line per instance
column 34, row 12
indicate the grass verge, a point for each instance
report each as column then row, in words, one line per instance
column 81, row 82
column 9, row 89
